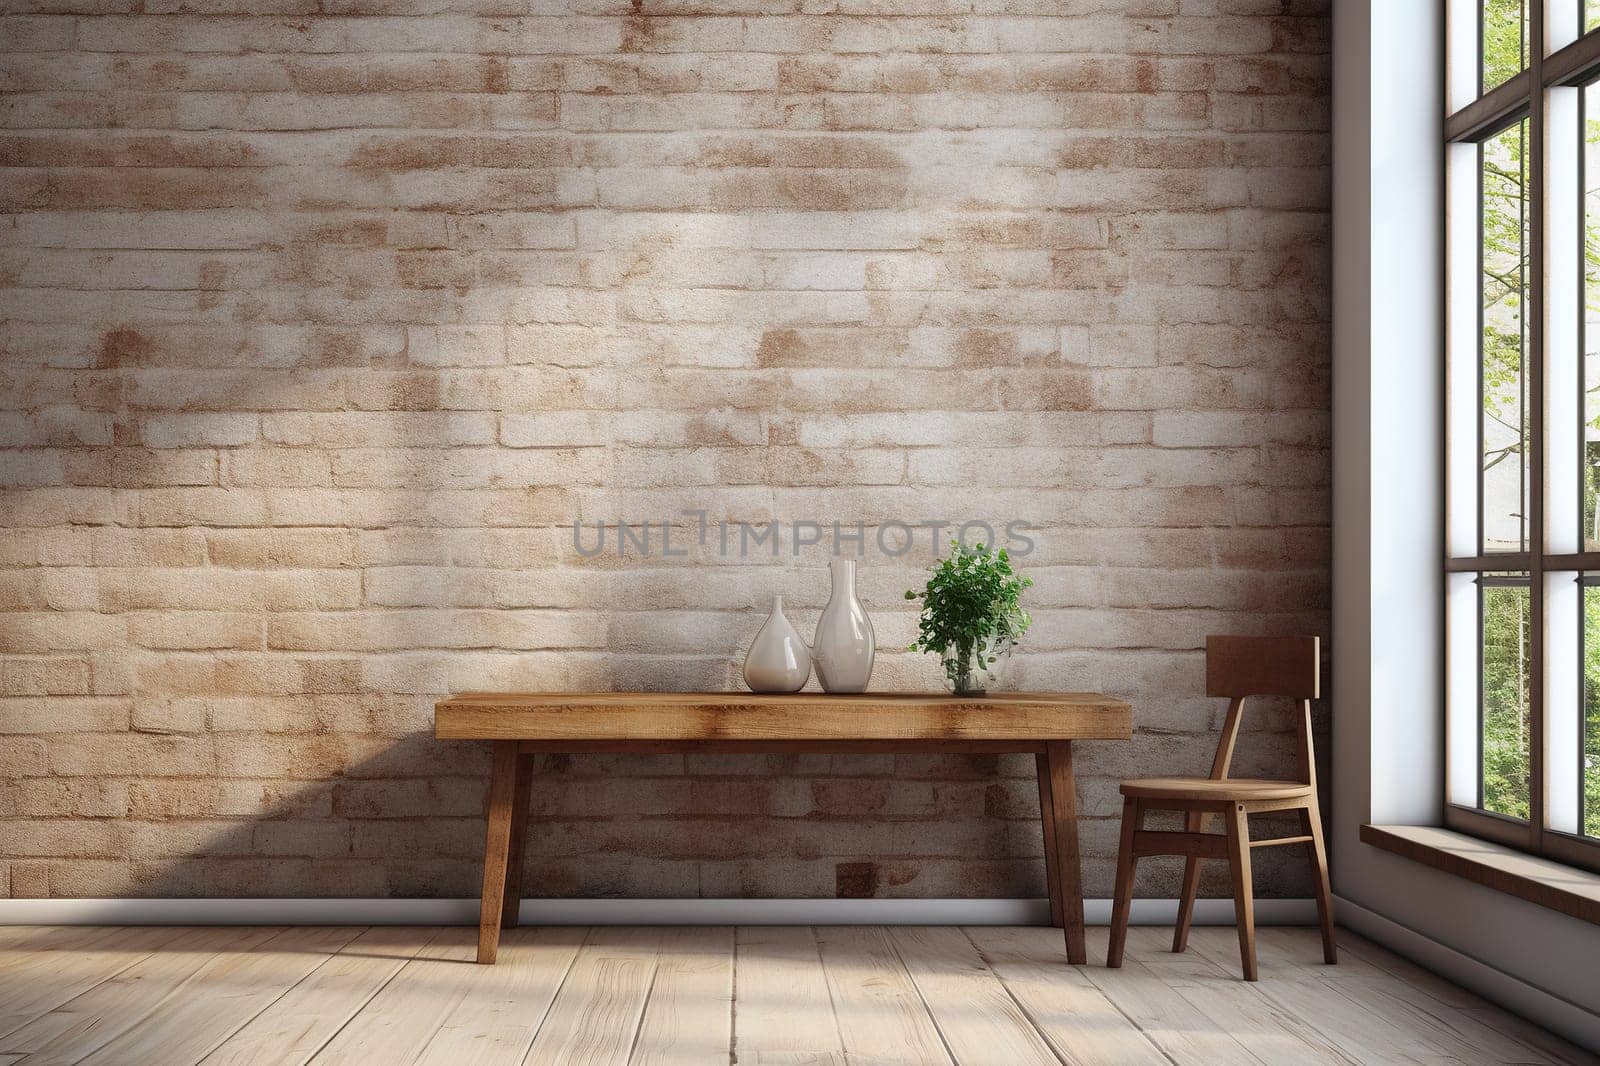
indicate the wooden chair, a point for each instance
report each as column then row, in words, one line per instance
column 1236, row 667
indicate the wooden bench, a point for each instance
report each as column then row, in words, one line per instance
column 523, row 725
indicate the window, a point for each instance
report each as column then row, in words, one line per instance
column 1522, row 424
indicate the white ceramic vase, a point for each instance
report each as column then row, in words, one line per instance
column 845, row 643
column 778, row 659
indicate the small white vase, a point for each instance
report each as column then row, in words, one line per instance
column 778, row 660
column 845, row 643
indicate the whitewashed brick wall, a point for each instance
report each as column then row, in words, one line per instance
column 322, row 320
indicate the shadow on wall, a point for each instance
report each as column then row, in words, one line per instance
column 652, row 827
column 603, row 826
column 667, row 827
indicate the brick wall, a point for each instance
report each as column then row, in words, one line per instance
column 320, row 329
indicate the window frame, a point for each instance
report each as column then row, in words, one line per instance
column 1565, row 58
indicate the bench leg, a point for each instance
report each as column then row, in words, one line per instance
column 516, row 856
column 1052, row 873
column 496, row 847
column 1064, row 814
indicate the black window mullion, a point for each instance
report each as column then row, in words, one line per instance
column 1585, row 583
column 1533, row 404
column 1582, row 332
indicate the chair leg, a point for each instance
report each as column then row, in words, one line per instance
column 1244, row 905
column 1311, row 819
column 1122, row 902
column 1193, row 823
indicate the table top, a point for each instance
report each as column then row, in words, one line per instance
column 800, row 716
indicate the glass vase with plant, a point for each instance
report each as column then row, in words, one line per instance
column 971, row 617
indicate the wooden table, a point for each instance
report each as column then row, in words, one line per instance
column 523, row 725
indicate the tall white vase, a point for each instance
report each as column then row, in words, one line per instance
column 845, row 643
column 778, row 660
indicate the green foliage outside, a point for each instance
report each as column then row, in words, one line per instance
column 970, row 612
column 1505, row 410
column 1505, row 700
column 1504, row 40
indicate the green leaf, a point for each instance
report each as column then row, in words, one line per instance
column 971, row 597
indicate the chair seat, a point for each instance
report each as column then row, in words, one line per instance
column 1229, row 789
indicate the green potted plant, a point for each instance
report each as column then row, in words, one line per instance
column 970, row 614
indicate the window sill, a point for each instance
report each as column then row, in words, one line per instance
column 1543, row 881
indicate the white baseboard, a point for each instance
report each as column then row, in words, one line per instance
column 1536, row 1004
column 621, row 911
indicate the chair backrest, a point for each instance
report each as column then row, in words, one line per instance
column 1239, row 667
column 1263, row 666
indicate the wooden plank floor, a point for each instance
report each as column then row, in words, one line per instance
column 857, row 996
